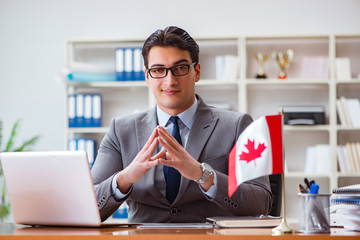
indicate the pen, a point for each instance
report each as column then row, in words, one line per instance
column 301, row 189
column 307, row 184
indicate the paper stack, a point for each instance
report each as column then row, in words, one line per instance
column 345, row 209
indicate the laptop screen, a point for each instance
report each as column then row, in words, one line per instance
column 50, row 188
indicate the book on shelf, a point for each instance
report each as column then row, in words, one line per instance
column 315, row 67
column 348, row 110
column 341, row 159
column 227, row 67
column 342, row 68
column 341, row 113
column 317, row 159
column 90, row 77
column 353, row 105
column 348, row 156
column 87, row 67
column 83, row 72
column 129, row 64
column 245, row 222
column 84, row 110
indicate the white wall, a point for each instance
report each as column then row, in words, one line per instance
column 33, row 33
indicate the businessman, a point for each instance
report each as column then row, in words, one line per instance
column 170, row 163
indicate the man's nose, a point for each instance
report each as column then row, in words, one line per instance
column 170, row 78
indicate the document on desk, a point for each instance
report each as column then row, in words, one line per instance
column 175, row 225
column 245, row 222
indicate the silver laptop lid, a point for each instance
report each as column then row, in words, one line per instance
column 50, row 188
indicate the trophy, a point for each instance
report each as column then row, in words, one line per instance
column 283, row 60
column 261, row 59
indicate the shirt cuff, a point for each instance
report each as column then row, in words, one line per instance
column 119, row 196
column 212, row 190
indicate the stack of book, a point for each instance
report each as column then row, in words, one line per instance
column 227, row 67
column 84, row 110
column 84, row 144
column 88, row 72
column 315, row 67
column 345, row 209
column 348, row 110
column 343, row 68
column 318, row 159
column 349, row 157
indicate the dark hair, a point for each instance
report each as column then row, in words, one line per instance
column 171, row 37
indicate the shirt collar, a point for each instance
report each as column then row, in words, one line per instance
column 187, row 117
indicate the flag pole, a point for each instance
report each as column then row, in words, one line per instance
column 283, row 227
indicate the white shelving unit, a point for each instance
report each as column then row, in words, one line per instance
column 257, row 97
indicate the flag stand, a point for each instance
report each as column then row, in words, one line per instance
column 283, row 226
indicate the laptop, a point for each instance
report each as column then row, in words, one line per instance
column 51, row 188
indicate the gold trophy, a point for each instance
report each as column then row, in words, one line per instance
column 283, row 60
column 261, row 59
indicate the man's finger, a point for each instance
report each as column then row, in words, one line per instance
column 150, row 140
column 160, row 154
column 166, row 162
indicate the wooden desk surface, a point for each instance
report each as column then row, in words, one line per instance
column 13, row 231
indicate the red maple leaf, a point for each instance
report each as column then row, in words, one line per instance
column 253, row 153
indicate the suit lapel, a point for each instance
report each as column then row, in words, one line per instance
column 144, row 127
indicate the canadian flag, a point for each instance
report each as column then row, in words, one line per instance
column 257, row 152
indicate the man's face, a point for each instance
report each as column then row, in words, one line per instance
column 174, row 94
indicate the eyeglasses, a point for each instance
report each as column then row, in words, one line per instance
column 177, row 70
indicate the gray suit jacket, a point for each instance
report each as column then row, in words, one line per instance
column 213, row 134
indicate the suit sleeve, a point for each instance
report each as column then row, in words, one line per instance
column 107, row 164
column 253, row 197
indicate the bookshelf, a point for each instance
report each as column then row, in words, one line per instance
column 245, row 93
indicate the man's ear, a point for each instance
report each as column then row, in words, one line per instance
column 197, row 72
column 147, row 77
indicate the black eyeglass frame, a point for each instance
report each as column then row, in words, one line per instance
column 171, row 69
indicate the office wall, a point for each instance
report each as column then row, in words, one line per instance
column 33, row 33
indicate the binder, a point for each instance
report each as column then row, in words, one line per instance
column 72, row 145
column 139, row 74
column 71, row 110
column 129, row 64
column 80, row 144
column 88, row 110
column 90, row 150
column 85, row 110
column 96, row 110
column 120, row 64
column 79, row 118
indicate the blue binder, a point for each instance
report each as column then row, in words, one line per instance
column 79, row 117
column 88, row 110
column 96, row 110
column 129, row 64
column 90, row 150
column 120, row 64
column 71, row 110
column 139, row 74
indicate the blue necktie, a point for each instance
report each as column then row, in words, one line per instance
column 172, row 176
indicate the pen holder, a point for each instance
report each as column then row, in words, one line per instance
column 314, row 213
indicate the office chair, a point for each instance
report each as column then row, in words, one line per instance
column 276, row 188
